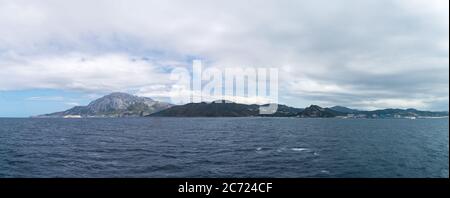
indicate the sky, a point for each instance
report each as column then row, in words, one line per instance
column 367, row 54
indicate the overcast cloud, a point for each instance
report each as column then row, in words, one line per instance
column 362, row 54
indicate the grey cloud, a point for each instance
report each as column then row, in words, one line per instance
column 372, row 50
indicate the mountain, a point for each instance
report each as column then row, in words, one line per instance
column 401, row 113
column 223, row 109
column 230, row 109
column 114, row 105
column 284, row 111
column 214, row 109
column 126, row 105
column 315, row 111
column 343, row 109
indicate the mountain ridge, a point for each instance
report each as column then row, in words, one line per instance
column 116, row 104
column 313, row 111
column 119, row 104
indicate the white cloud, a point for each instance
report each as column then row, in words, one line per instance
column 305, row 85
column 73, row 104
column 109, row 72
column 184, row 95
column 46, row 98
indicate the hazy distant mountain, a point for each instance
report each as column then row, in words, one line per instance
column 343, row 109
column 115, row 105
column 401, row 113
column 223, row 109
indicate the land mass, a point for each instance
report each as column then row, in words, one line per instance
column 216, row 109
column 114, row 105
column 126, row 105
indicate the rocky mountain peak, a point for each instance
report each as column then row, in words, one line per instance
column 115, row 105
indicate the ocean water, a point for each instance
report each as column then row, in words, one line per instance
column 224, row 147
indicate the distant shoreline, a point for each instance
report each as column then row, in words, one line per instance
column 85, row 118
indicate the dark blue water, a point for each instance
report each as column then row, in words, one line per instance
column 224, row 147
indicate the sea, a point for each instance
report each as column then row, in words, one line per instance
column 249, row 147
